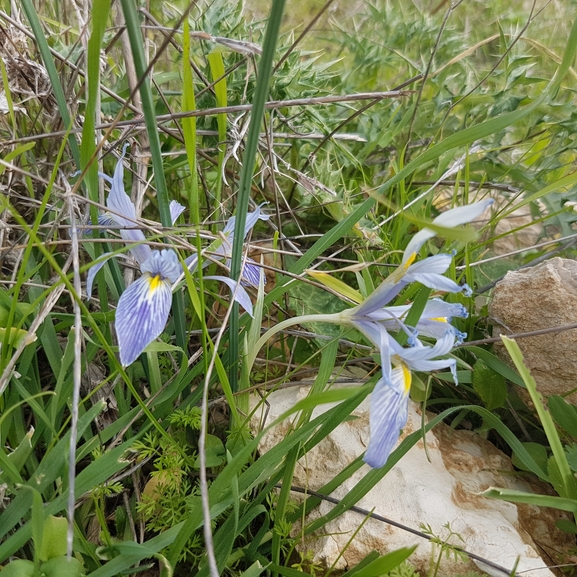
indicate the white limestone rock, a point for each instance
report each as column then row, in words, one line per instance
column 416, row 491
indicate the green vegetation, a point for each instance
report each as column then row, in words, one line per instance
column 351, row 134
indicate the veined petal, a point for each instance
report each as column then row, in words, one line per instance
column 378, row 335
column 449, row 219
column 107, row 219
column 251, row 219
column 176, row 209
column 463, row 214
column 191, row 262
column 421, row 352
column 420, row 357
column 251, row 273
column 429, row 272
column 162, row 263
column 389, row 411
column 93, row 270
column 118, row 201
column 240, row 295
column 380, row 297
column 121, row 205
column 437, row 264
column 141, row 315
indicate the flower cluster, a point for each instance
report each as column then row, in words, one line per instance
column 375, row 320
column 143, row 308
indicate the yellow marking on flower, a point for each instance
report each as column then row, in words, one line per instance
column 154, row 283
column 410, row 261
column 407, row 377
column 440, row 319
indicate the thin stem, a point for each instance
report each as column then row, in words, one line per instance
column 335, row 318
column 77, row 380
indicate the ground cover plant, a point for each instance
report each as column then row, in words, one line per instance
column 285, row 194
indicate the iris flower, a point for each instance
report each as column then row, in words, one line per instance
column 251, row 273
column 390, row 399
column 374, row 319
column 143, row 308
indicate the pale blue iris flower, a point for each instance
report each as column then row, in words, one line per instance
column 374, row 319
column 251, row 273
column 389, row 400
column 143, row 308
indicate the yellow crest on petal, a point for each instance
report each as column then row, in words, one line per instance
column 407, row 377
column 154, row 283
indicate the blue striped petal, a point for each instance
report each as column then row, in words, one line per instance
column 176, row 209
column 94, row 269
column 163, row 263
column 251, row 219
column 121, row 205
column 389, row 411
column 141, row 315
column 240, row 295
column 251, row 273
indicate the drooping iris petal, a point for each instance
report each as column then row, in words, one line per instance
column 240, row 295
column 176, row 209
column 251, row 273
column 121, row 206
column 421, row 357
column 430, row 271
column 449, row 219
column 144, row 306
column 378, row 335
column 388, row 415
column 251, row 219
column 93, row 270
column 141, row 315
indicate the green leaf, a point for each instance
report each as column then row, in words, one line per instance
column 215, row 452
column 62, row 567
column 566, row 526
column 560, row 503
column 386, row 563
column 489, row 385
column 571, row 454
column 18, row 568
column 567, row 485
column 54, row 538
column 555, row 476
column 538, row 453
column 564, row 414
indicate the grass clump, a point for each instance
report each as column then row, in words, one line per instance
column 345, row 141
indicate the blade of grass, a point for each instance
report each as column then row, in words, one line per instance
column 52, row 73
column 569, row 483
column 247, row 171
column 219, row 79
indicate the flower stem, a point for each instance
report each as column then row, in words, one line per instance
column 334, row 318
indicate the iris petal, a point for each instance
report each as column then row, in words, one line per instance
column 449, row 219
column 93, row 270
column 240, row 295
column 163, row 263
column 251, row 273
column 176, row 209
column 251, row 219
column 121, row 205
column 389, row 411
column 141, row 315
